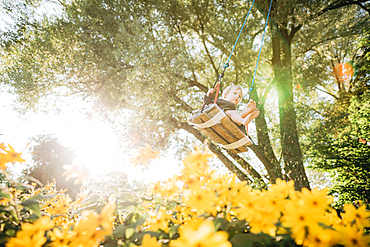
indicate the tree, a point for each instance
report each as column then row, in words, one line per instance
column 49, row 156
column 346, row 157
column 339, row 144
column 156, row 59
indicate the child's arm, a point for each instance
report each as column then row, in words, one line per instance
column 237, row 117
column 211, row 90
column 251, row 106
column 206, row 96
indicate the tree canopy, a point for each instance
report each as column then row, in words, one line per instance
column 154, row 60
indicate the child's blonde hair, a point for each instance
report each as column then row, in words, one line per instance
column 229, row 88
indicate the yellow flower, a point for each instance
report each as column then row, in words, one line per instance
column 50, row 186
column 12, row 156
column 353, row 237
column 204, row 236
column 228, row 188
column 272, row 203
column 2, row 146
column 316, row 199
column 267, row 227
column 58, row 205
column 201, row 199
column 88, row 231
column 106, row 215
column 144, row 155
column 3, row 162
column 159, row 221
column 89, row 222
column 322, row 238
column 32, row 234
column 76, row 172
column 149, row 241
column 181, row 215
column 197, row 161
column 9, row 156
column 61, row 238
column 299, row 219
column 359, row 216
column 332, row 218
column 24, row 239
column 4, row 201
column 282, row 188
column 248, row 205
column 44, row 223
column 168, row 189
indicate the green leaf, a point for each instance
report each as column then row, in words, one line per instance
column 218, row 222
column 129, row 232
column 33, row 205
column 140, row 221
column 5, row 195
column 139, row 236
column 125, row 205
column 24, row 187
column 248, row 239
column 123, row 230
column 5, row 209
column 173, row 231
column 120, row 231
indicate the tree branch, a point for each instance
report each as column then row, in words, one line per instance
column 216, row 150
column 183, row 105
column 364, row 8
column 245, row 165
column 335, row 5
column 192, row 83
column 293, row 31
column 201, row 35
column 336, row 76
column 332, row 95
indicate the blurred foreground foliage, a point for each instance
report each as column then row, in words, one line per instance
column 197, row 207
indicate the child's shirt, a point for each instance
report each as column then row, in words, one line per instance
column 225, row 106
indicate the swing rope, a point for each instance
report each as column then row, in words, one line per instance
column 219, row 78
column 259, row 53
column 227, row 63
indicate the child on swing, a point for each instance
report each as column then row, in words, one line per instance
column 232, row 96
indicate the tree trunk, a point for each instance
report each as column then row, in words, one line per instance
column 216, row 150
column 291, row 152
column 264, row 150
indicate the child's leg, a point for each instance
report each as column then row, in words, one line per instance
column 251, row 116
column 250, row 107
column 235, row 116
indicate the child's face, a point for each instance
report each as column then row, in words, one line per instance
column 234, row 96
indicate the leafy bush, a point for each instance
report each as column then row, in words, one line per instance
column 198, row 207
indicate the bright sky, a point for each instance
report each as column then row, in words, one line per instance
column 95, row 142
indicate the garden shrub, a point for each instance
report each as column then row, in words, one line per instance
column 197, row 207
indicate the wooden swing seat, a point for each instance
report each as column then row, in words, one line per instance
column 215, row 124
